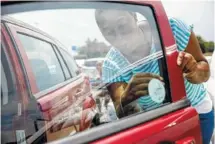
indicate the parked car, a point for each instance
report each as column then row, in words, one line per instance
column 80, row 62
column 64, row 104
column 41, row 86
column 92, row 62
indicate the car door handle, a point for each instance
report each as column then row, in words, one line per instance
column 188, row 140
column 78, row 93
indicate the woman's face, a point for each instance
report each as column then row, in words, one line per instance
column 120, row 29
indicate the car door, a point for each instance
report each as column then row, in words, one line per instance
column 171, row 121
column 18, row 120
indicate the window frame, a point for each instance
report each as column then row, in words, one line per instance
column 59, row 50
column 11, row 71
column 157, row 112
column 39, row 39
column 13, row 28
column 58, row 55
column 67, row 53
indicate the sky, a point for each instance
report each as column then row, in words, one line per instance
column 68, row 26
column 200, row 13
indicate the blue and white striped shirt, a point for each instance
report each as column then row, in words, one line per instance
column 116, row 68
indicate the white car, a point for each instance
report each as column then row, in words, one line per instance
column 80, row 62
column 92, row 62
column 89, row 68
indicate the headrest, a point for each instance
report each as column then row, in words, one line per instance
column 42, row 73
column 39, row 65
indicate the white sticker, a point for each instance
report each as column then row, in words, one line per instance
column 20, row 137
column 156, row 90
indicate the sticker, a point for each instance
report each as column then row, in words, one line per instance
column 20, row 137
column 156, row 90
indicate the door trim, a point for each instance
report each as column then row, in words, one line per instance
column 122, row 124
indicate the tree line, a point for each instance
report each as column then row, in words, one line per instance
column 206, row 46
column 94, row 48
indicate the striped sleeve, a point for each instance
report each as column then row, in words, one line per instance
column 113, row 64
column 109, row 71
column 181, row 32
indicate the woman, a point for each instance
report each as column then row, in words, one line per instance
column 121, row 30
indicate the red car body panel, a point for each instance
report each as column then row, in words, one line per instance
column 171, row 127
column 15, row 63
column 56, row 102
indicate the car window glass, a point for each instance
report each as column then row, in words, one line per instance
column 8, row 90
column 63, row 64
column 70, row 62
column 43, row 60
column 123, row 71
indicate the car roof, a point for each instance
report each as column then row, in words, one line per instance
column 20, row 23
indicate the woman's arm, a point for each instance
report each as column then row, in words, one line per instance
column 193, row 63
column 122, row 93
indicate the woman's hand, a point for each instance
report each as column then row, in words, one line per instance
column 122, row 93
column 194, row 71
column 138, row 87
column 186, row 62
column 193, row 62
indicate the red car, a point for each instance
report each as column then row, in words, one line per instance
column 41, row 87
column 38, row 107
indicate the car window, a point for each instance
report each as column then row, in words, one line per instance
column 129, row 78
column 70, row 62
column 44, row 62
column 63, row 65
column 8, row 89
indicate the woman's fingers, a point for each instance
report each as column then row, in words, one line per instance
column 186, row 61
column 148, row 75
column 180, row 58
column 191, row 65
column 139, row 87
column 141, row 93
column 141, row 80
column 137, row 81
